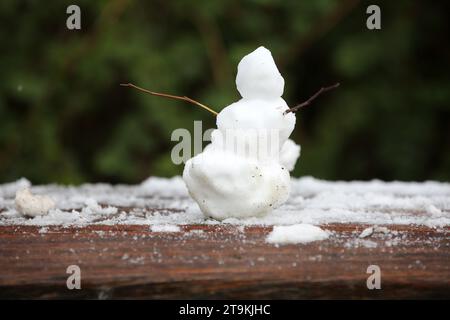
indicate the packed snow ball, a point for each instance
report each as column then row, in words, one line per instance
column 297, row 233
column 33, row 205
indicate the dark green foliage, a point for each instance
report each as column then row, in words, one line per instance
column 64, row 118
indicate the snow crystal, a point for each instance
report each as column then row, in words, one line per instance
column 169, row 187
column 92, row 207
column 355, row 243
column 366, row 232
column 43, row 230
column 8, row 190
column 431, row 209
column 165, row 228
column 371, row 230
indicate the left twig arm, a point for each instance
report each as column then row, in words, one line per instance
column 165, row 95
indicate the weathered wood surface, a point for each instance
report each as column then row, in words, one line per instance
column 220, row 262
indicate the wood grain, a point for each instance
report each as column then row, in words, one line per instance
column 211, row 262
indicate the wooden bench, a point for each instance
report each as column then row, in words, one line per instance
column 220, row 261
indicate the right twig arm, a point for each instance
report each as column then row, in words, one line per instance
column 312, row 98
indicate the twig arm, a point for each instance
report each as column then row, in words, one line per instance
column 165, row 95
column 312, row 98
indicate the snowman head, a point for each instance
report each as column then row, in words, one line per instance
column 258, row 76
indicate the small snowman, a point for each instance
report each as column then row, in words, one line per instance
column 227, row 183
column 244, row 171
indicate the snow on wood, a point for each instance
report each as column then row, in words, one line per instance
column 161, row 201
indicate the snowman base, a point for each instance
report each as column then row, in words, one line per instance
column 226, row 186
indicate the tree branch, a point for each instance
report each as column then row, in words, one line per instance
column 312, row 98
column 184, row 98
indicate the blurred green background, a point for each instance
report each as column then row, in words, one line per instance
column 64, row 118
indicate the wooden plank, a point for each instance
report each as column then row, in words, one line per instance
column 217, row 261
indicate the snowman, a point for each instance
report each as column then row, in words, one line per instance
column 244, row 171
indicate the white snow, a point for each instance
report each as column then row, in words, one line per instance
column 93, row 208
column 297, row 233
column 240, row 174
column 32, row 205
column 10, row 189
column 165, row 228
column 431, row 209
column 258, row 76
column 366, row 232
column 289, row 154
column 165, row 201
column 371, row 230
column 167, row 187
column 230, row 186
